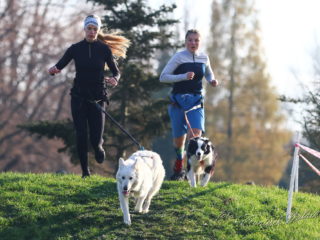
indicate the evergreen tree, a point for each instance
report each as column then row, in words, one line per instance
column 311, row 121
column 310, row 105
column 243, row 116
column 133, row 103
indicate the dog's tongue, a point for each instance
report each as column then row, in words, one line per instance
column 125, row 192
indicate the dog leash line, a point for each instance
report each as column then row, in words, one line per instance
column 118, row 125
column 186, row 118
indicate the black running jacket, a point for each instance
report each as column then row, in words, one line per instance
column 90, row 59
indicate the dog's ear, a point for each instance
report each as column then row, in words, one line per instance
column 121, row 162
column 192, row 147
column 208, row 147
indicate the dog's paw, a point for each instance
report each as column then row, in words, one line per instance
column 127, row 222
column 138, row 210
column 145, row 211
column 193, row 183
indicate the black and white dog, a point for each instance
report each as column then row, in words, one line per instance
column 201, row 160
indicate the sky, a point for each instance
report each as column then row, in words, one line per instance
column 290, row 35
column 290, row 31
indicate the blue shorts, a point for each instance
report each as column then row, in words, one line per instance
column 184, row 102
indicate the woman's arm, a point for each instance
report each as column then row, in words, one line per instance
column 167, row 75
column 209, row 75
column 112, row 65
column 67, row 57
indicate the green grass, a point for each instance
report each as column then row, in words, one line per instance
column 50, row 206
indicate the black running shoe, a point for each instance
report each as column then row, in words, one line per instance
column 86, row 174
column 100, row 155
column 178, row 176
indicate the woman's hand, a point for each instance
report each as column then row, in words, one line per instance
column 53, row 70
column 111, row 80
column 190, row 75
column 214, row 83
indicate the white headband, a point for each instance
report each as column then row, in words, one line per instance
column 95, row 20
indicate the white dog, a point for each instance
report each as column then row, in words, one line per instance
column 201, row 160
column 140, row 176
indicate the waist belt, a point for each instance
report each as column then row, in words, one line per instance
column 174, row 102
column 87, row 99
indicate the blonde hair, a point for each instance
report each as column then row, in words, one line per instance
column 117, row 43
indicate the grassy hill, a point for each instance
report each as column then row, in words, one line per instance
column 50, row 206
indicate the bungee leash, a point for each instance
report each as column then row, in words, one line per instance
column 110, row 117
column 187, row 121
column 118, row 124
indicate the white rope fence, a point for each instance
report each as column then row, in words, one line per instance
column 295, row 173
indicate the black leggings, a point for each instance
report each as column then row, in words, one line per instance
column 86, row 114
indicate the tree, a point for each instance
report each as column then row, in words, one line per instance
column 29, row 39
column 311, row 120
column 133, row 103
column 246, row 123
column 310, row 105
